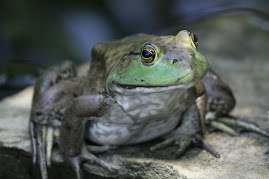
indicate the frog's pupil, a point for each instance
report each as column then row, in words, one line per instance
column 146, row 53
column 195, row 38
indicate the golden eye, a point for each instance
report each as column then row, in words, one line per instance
column 148, row 54
column 194, row 39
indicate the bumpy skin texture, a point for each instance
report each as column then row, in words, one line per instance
column 137, row 89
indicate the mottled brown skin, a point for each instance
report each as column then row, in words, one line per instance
column 63, row 102
column 220, row 97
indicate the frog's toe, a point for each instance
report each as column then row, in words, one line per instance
column 200, row 142
column 41, row 155
column 42, row 144
column 197, row 141
column 75, row 162
column 34, row 141
column 223, row 127
column 87, row 157
column 184, row 145
column 38, row 147
column 49, row 141
column 242, row 125
column 184, row 142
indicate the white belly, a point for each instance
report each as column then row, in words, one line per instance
column 139, row 118
column 121, row 134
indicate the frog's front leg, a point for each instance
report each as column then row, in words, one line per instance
column 53, row 90
column 72, row 130
column 188, row 133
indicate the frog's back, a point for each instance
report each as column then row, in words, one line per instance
column 106, row 56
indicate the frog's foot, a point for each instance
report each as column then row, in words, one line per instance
column 184, row 142
column 233, row 126
column 87, row 158
column 43, row 138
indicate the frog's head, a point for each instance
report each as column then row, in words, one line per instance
column 160, row 63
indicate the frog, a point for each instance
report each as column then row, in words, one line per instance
column 137, row 89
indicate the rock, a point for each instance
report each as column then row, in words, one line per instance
column 241, row 157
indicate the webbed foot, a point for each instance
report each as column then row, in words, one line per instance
column 44, row 136
column 184, row 142
column 87, row 158
column 233, row 126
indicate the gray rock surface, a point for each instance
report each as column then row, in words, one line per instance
column 238, row 51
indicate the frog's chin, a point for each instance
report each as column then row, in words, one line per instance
column 122, row 88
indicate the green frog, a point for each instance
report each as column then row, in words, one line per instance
column 137, row 89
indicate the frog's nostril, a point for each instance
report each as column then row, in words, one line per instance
column 175, row 60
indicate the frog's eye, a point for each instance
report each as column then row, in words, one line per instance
column 194, row 39
column 148, row 54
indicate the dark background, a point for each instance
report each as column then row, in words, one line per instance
column 36, row 34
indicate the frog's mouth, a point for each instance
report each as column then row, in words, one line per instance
column 135, row 86
column 156, row 87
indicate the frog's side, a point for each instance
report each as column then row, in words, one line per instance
column 137, row 89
